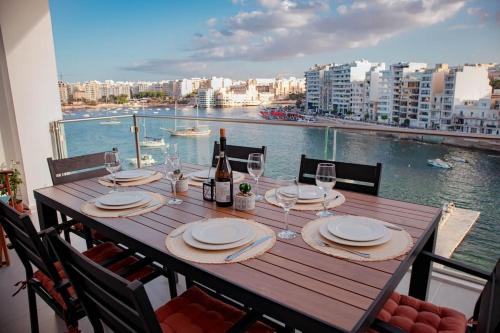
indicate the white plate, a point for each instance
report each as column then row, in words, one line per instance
column 129, row 175
column 134, row 205
column 188, row 238
column 221, row 231
column 323, row 230
column 121, row 198
column 356, row 228
column 331, row 195
column 306, row 192
column 201, row 176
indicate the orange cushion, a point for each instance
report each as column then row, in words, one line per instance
column 99, row 254
column 196, row 312
column 415, row 316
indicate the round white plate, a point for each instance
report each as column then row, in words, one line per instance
column 130, row 175
column 188, row 238
column 323, row 230
column 331, row 195
column 221, row 231
column 134, row 205
column 306, row 192
column 356, row 228
column 121, row 198
column 201, row 176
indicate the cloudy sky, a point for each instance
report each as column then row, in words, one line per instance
column 160, row 39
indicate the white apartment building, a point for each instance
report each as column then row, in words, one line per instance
column 140, row 86
column 476, row 116
column 92, row 91
column 373, row 90
column 206, row 98
column 63, row 92
column 217, row 83
column 314, row 86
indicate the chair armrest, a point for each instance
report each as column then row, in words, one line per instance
column 58, row 228
column 245, row 322
column 383, row 327
column 457, row 265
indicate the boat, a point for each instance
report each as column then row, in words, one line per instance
column 151, row 142
column 459, row 159
column 86, row 115
column 196, row 130
column 439, row 163
column 167, row 109
column 146, row 160
column 110, row 122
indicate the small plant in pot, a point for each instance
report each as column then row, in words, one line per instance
column 182, row 184
column 244, row 200
column 15, row 182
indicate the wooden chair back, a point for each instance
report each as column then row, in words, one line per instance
column 237, row 155
column 351, row 177
column 27, row 243
column 106, row 297
column 75, row 168
column 487, row 310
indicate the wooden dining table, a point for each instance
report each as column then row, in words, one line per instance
column 292, row 282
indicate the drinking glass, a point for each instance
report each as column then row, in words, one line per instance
column 255, row 166
column 173, row 173
column 287, row 194
column 112, row 164
column 171, row 149
column 325, row 179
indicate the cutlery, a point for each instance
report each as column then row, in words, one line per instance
column 323, row 244
column 393, row 227
column 152, row 204
column 246, row 248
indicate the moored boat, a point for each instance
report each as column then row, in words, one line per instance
column 439, row 163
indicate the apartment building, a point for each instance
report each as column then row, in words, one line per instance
column 315, row 86
column 476, row 116
column 92, row 91
column 373, row 92
column 206, row 98
column 63, row 92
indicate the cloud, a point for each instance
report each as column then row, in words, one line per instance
column 286, row 29
column 479, row 12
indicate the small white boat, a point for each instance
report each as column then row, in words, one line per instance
column 439, row 163
column 190, row 131
column 167, row 109
column 155, row 112
column 146, row 160
column 135, row 111
column 114, row 111
column 151, row 142
column 86, row 115
column 459, row 159
column 110, row 122
column 158, row 109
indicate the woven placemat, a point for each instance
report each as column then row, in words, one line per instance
column 271, row 198
column 156, row 176
column 239, row 179
column 400, row 243
column 90, row 208
column 179, row 248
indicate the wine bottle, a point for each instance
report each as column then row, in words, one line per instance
column 223, row 176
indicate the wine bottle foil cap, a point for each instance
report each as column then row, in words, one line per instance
column 222, row 132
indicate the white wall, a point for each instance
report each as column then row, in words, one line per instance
column 29, row 98
column 472, row 84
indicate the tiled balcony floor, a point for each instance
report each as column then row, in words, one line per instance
column 14, row 315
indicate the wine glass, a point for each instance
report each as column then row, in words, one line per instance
column 255, row 166
column 112, row 164
column 171, row 150
column 325, row 180
column 287, row 194
column 173, row 173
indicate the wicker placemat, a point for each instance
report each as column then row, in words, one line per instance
column 400, row 243
column 239, row 179
column 154, row 177
column 90, row 208
column 271, row 198
column 179, row 248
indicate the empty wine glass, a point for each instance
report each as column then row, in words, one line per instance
column 173, row 173
column 112, row 164
column 287, row 194
column 325, row 179
column 171, row 150
column 255, row 166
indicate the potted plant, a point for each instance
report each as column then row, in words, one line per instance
column 15, row 182
column 182, row 184
column 244, row 200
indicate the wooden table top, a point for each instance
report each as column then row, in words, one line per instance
column 335, row 292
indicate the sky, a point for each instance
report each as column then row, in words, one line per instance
column 169, row 39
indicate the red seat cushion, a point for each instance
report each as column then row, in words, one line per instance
column 415, row 316
column 196, row 312
column 99, row 254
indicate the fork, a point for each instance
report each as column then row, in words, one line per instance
column 323, row 244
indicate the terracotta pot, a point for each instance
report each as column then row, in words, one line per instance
column 244, row 202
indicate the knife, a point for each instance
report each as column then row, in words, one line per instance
column 246, row 248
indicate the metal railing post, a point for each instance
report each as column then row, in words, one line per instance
column 334, row 153
column 137, row 144
column 325, row 144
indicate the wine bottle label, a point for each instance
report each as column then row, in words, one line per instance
column 223, row 191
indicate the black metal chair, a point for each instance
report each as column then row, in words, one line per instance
column 486, row 317
column 49, row 281
column 124, row 306
column 237, row 155
column 72, row 169
column 351, row 177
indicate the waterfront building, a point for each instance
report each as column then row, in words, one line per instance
column 92, row 91
column 241, row 95
column 373, row 91
column 314, row 81
column 206, row 98
column 217, row 83
column 476, row 116
column 63, row 92
column 140, row 86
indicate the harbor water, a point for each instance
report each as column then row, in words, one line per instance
column 405, row 174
